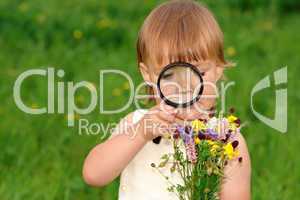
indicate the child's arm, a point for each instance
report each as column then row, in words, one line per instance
column 237, row 182
column 107, row 160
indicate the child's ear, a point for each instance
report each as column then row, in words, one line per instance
column 145, row 72
column 219, row 73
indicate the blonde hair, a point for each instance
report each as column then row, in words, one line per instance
column 180, row 30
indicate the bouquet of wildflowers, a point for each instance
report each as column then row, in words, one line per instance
column 202, row 149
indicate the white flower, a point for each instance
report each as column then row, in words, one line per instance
column 212, row 123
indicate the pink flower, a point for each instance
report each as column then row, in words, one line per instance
column 191, row 151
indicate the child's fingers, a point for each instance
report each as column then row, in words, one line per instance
column 162, row 127
column 156, row 125
column 170, row 118
column 168, row 109
column 179, row 120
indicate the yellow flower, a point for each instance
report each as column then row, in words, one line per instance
column 41, row 18
column 230, row 152
column 80, row 99
column 77, row 34
column 214, row 149
column 105, row 23
column 230, row 51
column 268, row 25
column 34, row 106
column 197, row 140
column 126, row 86
column 214, row 146
column 23, row 7
column 206, row 190
column 72, row 116
column 167, row 136
column 232, row 126
column 198, row 125
column 231, row 118
column 210, row 142
column 116, row 92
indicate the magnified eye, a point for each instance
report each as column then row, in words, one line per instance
column 180, row 84
column 167, row 75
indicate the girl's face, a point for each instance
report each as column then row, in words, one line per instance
column 210, row 74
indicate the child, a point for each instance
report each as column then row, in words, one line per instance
column 181, row 30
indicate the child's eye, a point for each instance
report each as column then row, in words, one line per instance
column 167, row 75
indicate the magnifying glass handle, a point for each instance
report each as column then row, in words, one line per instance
column 157, row 140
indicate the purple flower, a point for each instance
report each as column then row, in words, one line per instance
column 176, row 135
column 235, row 144
column 186, row 138
column 184, row 134
column 231, row 110
column 226, row 137
column 224, row 127
column 238, row 122
column 180, row 130
column 212, row 133
column 201, row 136
column 188, row 129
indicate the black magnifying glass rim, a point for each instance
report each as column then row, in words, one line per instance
column 182, row 64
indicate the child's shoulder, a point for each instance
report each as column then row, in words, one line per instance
column 243, row 149
column 238, row 173
column 245, row 167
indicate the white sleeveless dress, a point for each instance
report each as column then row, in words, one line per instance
column 139, row 181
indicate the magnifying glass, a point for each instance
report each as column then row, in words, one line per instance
column 180, row 84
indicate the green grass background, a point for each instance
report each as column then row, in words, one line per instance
column 41, row 158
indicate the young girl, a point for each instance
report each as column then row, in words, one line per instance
column 181, row 30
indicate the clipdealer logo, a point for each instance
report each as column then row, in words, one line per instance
column 279, row 122
column 56, row 92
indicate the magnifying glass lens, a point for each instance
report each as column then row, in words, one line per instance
column 180, row 85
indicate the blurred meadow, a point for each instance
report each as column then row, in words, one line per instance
column 41, row 157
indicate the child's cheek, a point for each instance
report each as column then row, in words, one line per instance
column 210, row 87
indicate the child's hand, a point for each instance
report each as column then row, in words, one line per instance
column 156, row 121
